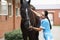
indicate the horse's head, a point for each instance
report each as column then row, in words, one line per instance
column 24, row 1
column 25, row 7
column 25, row 4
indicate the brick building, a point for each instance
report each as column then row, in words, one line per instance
column 53, row 10
column 54, row 15
column 9, row 16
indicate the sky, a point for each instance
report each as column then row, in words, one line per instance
column 45, row 2
column 42, row 4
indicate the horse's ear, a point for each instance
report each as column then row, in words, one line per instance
column 29, row 1
column 21, row 1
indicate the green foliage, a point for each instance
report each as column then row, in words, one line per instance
column 14, row 35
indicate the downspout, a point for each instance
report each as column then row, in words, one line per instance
column 13, row 1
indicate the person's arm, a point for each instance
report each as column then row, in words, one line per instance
column 43, row 26
column 37, row 29
column 36, row 13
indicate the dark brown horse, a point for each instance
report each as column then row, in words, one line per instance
column 28, row 18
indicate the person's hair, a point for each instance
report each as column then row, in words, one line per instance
column 46, row 15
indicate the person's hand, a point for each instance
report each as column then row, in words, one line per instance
column 30, row 27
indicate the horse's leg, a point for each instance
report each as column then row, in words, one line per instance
column 24, row 33
column 33, row 35
column 24, row 36
column 36, row 36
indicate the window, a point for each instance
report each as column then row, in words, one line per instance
column 10, row 10
column 0, row 7
column 17, row 12
column 59, row 14
column 3, row 8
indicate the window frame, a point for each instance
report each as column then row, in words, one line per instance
column 11, row 9
column 18, row 12
column 2, row 10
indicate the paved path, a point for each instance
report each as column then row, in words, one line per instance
column 1, row 38
column 55, row 32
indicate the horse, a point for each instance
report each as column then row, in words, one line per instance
column 27, row 20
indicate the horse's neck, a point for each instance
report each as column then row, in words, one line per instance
column 32, row 18
column 36, row 20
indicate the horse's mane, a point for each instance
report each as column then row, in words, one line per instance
column 36, row 18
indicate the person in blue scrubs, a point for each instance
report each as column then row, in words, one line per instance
column 45, row 26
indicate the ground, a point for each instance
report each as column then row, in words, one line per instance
column 2, row 38
column 55, row 32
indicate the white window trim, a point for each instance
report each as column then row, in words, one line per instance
column 59, row 14
column 11, row 9
column 18, row 12
column 2, row 13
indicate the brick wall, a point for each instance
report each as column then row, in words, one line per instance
column 7, row 25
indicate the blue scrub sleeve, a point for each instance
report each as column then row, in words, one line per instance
column 44, row 24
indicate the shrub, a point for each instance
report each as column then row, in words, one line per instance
column 14, row 35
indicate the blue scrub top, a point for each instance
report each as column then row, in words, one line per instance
column 45, row 25
column 46, row 29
